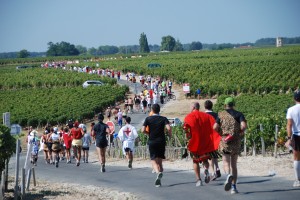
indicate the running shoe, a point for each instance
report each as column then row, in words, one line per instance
column 207, row 177
column 78, row 163
column 296, row 184
column 56, row 164
column 228, row 182
column 158, row 179
column 214, row 177
column 218, row 173
column 199, row 183
column 130, row 164
column 234, row 190
column 102, row 169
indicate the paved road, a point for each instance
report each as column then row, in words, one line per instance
column 176, row 184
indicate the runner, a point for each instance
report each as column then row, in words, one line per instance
column 119, row 117
column 44, row 140
column 127, row 135
column 157, row 140
column 55, row 139
column 77, row 134
column 144, row 103
column 68, row 143
column 108, row 113
column 293, row 135
column 203, row 140
column 231, row 124
column 213, row 163
column 100, row 131
column 86, row 143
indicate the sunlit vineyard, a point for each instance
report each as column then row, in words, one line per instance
column 262, row 79
column 39, row 96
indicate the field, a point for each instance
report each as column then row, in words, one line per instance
column 261, row 79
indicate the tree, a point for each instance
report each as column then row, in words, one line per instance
column 144, row 47
column 92, row 51
column 23, row 54
column 167, row 43
column 62, row 49
column 178, row 46
column 106, row 50
column 81, row 49
column 196, row 46
column 7, row 145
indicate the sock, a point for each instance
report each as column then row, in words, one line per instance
column 297, row 169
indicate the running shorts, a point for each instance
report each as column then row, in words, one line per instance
column 77, row 142
column 101, row 144
column 296, row 142
column 157, row 150
column 85, row 148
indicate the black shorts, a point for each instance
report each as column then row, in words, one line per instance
column 127, row 150
column 85, row 148
column 157, row 150
column 101, row 144
column 296, row 142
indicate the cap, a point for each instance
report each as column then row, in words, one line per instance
column 55, row 129
column 229, row 100
column 297, row 95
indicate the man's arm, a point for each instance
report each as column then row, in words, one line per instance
column 289, row 125
column 169, row 130
column 143, row 129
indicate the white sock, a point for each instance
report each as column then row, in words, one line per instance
column 297, row 169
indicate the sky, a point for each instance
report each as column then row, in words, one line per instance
column 31, row 24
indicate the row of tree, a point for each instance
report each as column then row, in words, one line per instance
column 168, row 43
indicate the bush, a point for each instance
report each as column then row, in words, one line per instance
column 7, row 145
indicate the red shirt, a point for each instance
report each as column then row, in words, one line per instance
column 76, row 133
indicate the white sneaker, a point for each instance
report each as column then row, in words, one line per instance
column 207, row 176
column 296, row 184
column 228, row 182
column 234, row 190
column 199, row 183
column 158, row 179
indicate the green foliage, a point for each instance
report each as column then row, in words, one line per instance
column 62, row 49
column 196, row 46
column 23, row 54
column 144, row 47
column 37, row 96
column 7, row 145
column 167, row 43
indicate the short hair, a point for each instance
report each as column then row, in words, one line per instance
column 208, row 104
column 100, row 117
column 128, row 120
column 196, row 105
column 156, row 108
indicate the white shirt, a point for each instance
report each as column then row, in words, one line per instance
column 294, row 114
column 127, row 135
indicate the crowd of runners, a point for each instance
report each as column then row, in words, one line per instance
column 210, row 135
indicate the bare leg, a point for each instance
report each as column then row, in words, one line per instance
column 197, row 170
column 226, row 163
column 234, row 159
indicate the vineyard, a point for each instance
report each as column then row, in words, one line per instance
column 39, row 96
column 262, row 79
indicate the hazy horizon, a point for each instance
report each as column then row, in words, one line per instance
column 31, row 24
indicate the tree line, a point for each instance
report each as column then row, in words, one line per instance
column 168, row 43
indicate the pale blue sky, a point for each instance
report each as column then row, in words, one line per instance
column 31, row 24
